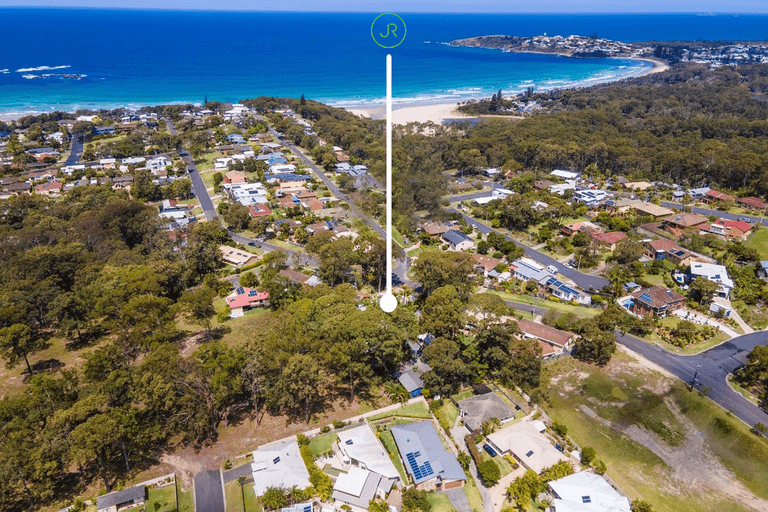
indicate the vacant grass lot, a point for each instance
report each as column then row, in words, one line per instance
column 322, row 443
column 546, row 304
column 414, row 410
column 675, row 449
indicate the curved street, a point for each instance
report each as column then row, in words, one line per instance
column 711, row 369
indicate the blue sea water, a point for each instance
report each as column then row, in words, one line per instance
column 107, row 58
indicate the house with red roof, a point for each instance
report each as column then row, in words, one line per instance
column 50, row 189
column 610, row 239
column 553, row 341
column 235, row 177
column 244, row 299
column 752, row 203
column 730, row 229
column 259, row 210
column 712, row 196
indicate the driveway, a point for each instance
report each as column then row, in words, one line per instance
column 235, row 473
column 209, row 492
column 459, row 499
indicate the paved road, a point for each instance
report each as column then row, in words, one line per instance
column 294, row 257
column 76, row 151
column 209, row 492
column 401, row 266
column 198, row 185
column 585, row 281
column 714, row 365
column 235, row 473
column 707, row 211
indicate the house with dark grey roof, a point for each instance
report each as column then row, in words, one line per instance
column 478, row 409
column 359, row 486
column 133, row 497
column 426, row 460
column 457, row 240
column 412, row 382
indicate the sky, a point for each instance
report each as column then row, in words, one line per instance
column 447, row 6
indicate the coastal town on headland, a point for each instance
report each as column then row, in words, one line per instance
column 715, row 53
column 582, row 301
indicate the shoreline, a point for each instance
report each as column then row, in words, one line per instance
column 421, row 111
column 438, row 112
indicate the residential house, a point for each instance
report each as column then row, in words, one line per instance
column 586, row 492
column 478, row 409
column 50, row 189
column 590, row 197
column 491, row 173
column 45, row 174
column 526, row 269
column 436, row 230
column 357, row 487
column 610, row 239
column 720, row 306
column 282, row 169
column 361, row 448
column 713, row 196
column 560, row 188
column 40, row 153
column 426, row 460
column 526, row 442
column 244, row 299
column 715, row 273
column 458, row 241
column 279, row 465
column 108, row 163
column 485, row 264
column 651, row 210
column 730, row 229
column 678, row 195
column 564, row 292
column 122, row 500
column 752, row 203
column 678, row 222
column 298, row 277
column 235, row 177
column 412, row 382
column 501, row 193
column 259, row 210
column 698, row 193
column 584, row 227
column 566, row 175
column 18, row 188
column 236, row 257
column 656, row 301
column 640, row 186
column 553, row 341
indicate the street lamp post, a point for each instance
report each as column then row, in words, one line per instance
column 695, row 374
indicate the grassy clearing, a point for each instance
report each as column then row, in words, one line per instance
column 586, row 398
column 473, row 495
column 450, row 411
column 186, row 499
column 235, row 497
column 741, row 390
column 464, row 394
column 504, row 466
column 546, row 304
column 162, row 499
column 389, row 443
column 439, row 502
column 759, row 241
column 322, row 443
column 414, row 410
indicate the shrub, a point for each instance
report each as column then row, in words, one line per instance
column 302, row 440
column 325, row 429
column 338, row 424
column 228, row 464
column 413, row 499
column 559, row 429
column 588, row 455
column 489, row 472
column 464, row 460
column 473, row 451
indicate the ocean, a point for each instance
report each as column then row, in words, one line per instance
column 85, row 58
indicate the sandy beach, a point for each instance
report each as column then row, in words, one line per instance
column 436, row 113
column 439, row 112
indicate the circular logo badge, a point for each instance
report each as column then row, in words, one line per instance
column 388, row 30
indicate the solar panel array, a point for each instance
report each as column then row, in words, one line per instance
column 419, row 472
column 645, row 297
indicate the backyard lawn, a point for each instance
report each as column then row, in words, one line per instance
column 161, row 499
column 322, row 444
column 439, row 502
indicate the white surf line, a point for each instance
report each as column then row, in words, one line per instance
column 388, row 302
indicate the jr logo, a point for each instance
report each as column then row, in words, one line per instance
column 394, row 30
column 388, row 30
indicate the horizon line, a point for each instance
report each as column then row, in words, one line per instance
column 277, row 11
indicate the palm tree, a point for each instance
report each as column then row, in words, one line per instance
column 241, row 481
column 295, row 495
column 396, row 392
column 274, row 498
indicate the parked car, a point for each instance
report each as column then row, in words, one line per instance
column 552, row 269
column 746, row 219
column 490, row 450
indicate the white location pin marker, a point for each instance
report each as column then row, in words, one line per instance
column 388, row 302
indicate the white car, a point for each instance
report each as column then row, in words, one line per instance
column 552, row 269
